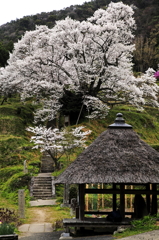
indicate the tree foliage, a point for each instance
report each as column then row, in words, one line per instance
column 58, row 142
column 146, row 16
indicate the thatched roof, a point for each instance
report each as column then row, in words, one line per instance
column 118, row 155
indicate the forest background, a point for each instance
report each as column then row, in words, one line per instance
column 146, row 36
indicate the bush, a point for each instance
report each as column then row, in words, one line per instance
column 14, row 183
column 8, row 172
column 145, row 223
column 6, row 229
column 8, row 216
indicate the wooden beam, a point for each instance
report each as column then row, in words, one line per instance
column 114, row 198
column 81, row 201
column 154, row 200
column 122, row 200
column 148, row 197
column 104, row 212
column 117, row 191
column 131, row 200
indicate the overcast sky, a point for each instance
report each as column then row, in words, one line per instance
column 13, row 9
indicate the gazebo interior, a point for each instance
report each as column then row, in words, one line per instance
column 122, row 197
column 118, row 194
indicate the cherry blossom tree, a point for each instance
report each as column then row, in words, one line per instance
column 57, row 143
column 92, row 57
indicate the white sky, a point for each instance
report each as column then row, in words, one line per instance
column 14, row 9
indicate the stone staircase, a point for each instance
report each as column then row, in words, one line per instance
column 47, row 164
column 42, row 186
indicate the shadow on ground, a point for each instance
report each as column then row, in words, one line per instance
column 56, row 236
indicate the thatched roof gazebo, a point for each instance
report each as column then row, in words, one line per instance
column 118, row 157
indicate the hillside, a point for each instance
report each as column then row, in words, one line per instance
column 146, row 16
column 15, row 146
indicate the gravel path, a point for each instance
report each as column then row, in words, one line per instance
column 154, row 235
column 41, row 236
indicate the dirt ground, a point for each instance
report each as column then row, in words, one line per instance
column 40, row 215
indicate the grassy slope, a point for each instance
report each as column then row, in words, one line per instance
column 15, row 147
column 146, row 123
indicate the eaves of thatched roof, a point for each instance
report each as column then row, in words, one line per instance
column 118, row 155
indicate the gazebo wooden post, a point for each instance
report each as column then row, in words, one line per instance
column 114, row 197
column 148, row 197
column 154, row 200
column 81, row 201
column 122, row 200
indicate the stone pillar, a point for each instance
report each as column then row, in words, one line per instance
column 53, row 187
column 31, row 186
column 66, row 196
column 25, row 167
column 21, row 203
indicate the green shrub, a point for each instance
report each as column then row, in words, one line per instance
column 155, row 146
column 7, row 172
column 6, row 229
column 145, row 223
column 59, row 193
column 17, row 181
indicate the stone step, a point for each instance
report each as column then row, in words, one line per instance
column 43, row 178
column 46, row 195
column 45, row 184
column 38, row 182
column 47, row 163
column 46, row 169
column 41, row 188
column 42, row 198
column 41, row 185
column 44, row 174
column 42, row 192
column 47, row 166
column 35, row 193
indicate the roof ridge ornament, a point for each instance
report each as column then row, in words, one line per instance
column 119, row 122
